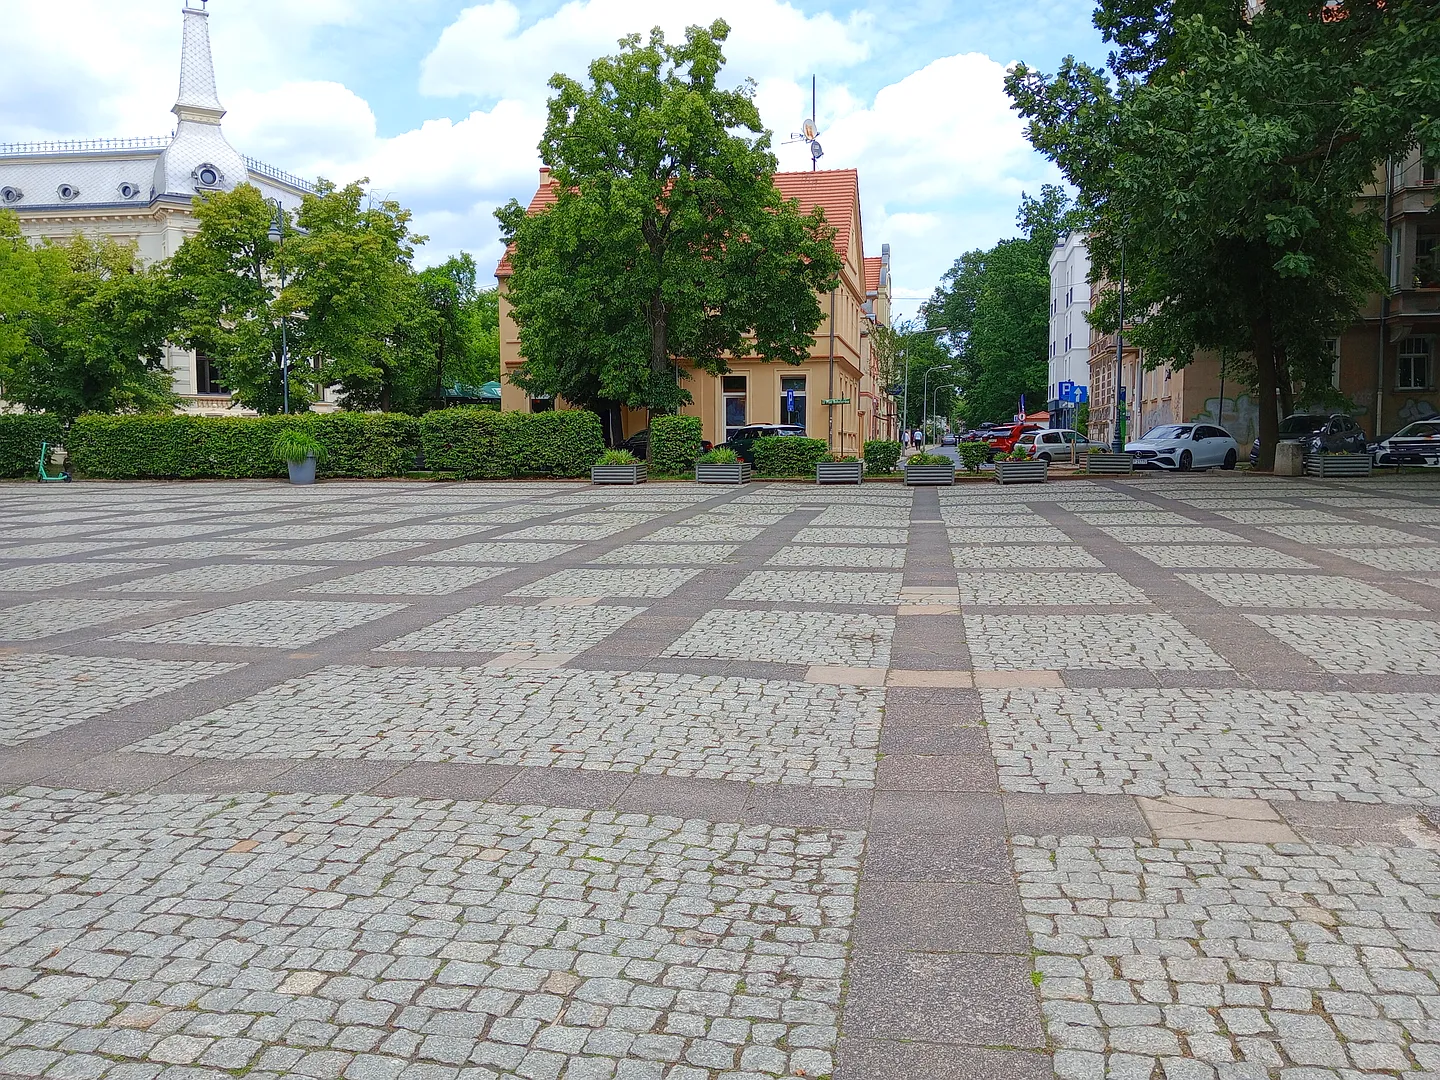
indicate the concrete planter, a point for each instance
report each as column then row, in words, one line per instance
column 839, row 472
column 1109, row 464
column 1021, row 472
column 302, row 472
column 929, row 475
column 724, row 473
column 618, row 474
column 1327, row 465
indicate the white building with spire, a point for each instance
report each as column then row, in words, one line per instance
column 141, row 190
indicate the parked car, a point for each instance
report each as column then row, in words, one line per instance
column 1055, row 444
column 949, row 439
column 1414, row 444
column 639, row 444
column 1184, row 447
column 1003, row 438
column 1335, row 433
column 743, row 441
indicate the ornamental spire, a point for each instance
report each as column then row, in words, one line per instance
column 197, row 99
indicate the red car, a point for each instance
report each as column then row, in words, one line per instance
column 1003, row 439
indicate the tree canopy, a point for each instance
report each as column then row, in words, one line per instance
column 668, row 243
column 1223, row 155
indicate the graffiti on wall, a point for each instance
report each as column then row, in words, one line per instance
column 1414, row 410
column 1241, row 417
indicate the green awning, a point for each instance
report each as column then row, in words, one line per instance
column 490, row 391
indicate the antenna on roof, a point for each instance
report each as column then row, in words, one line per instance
column 808, row 131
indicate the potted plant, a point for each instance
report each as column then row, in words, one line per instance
column 722, row 466
column 618, row 467
column 1101, row 461
column 1017, row 467
column 930, row 470
column 300, row 451
column 840, row 470
column 1326, row 463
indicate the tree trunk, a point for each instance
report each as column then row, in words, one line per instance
column 659, row 351
column 1263, row 343
column 1284, row 386
column 384, row 394
column 440, row 371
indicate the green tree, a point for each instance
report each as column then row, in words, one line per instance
column 1222, row 158
column 667, row 243
column 996, row 304
column 349, row 268
column 226, row 279
column 456, row 325
column 82, row 326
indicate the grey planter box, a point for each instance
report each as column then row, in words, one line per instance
column 929, row 475
column 618, row 474
column 1338, row 465
column 1021, row 472
column 839, row 472
column 302, row 472
column 733, row 473
column 1109, row 464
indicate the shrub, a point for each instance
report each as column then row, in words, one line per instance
column 928, row 459
column 1017, row 454
column 237, row 447
column 617, row 457
column 788, row 455
column 20, row 437
column 721, row 455
column 973, row 454
column 294, row 445
column 881, row 456
column 674, row 444
column 479, row 443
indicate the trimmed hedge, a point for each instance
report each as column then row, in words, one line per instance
column 674, row 444
column 881, row 456
column 480, row 443
column 20, row 437
column 788, row 455
column 237, row 447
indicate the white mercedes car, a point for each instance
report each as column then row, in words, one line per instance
column 1184, row 447
column 1415, row 444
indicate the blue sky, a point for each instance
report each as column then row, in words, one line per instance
column 441, row 103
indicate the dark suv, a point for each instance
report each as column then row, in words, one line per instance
column 743, row 441
column 1334, row 432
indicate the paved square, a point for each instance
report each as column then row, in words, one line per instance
column 1295, row 591
column 819, row 586
column 1358, row 645
column 1027, row 589
column 651, row 582
column 790, row 637
column 46, row 618
column 39, row 578
column 512, row 628
column 497, row 552
column 1220, row 556
column 1019, row 556
column 214, row 577
column 271, row 624
column 408, row 580
column 1153, row 642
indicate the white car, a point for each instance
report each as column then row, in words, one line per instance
column 1184, row 447
column 1055, row 444
column 1414, row 444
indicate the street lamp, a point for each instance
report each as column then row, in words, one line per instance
column 277, row 236
column 1117, row 441
column 905, row 401
column 925, row 392
column 935, row 397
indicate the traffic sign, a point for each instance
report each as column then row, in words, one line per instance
column 836, row 401
column 1082, row 395
column 1067, row 392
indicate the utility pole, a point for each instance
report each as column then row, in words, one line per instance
column 1117, row 441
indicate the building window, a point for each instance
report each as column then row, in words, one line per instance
column 792, row 399
column 11, row 194
column 1394, row 259
column 544, row 403
column 207, row 376
column 1413, row 367
column 733, row 390
column 1427, row 261
column 1428, row 171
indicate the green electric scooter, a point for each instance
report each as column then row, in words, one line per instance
column 56, row 457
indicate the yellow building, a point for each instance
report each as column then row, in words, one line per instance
column 840, row 368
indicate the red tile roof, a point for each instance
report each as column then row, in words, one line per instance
column 836, row 191
column 872, row 274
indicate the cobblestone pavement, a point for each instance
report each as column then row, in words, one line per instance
column 381, row 781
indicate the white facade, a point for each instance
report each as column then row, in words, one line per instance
column 1069, row 330
column 140, row 191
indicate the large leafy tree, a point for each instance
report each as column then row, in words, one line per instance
column 995, row 305
column 454, row 328
column 82, row 326
column 668, row 243
column 1221, row 158
column 226, row 279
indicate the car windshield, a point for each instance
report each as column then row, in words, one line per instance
column 1425, row 429
column 789, row 431
column 1301, row 425
column 1169, row 431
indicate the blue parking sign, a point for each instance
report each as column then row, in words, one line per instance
column 1067, row 391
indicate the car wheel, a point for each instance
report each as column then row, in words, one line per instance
column 1186, row 461
column 1230, row 458
column 1045, row 458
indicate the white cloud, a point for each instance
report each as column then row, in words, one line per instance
column 487, row 53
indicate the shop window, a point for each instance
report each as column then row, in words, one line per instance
column 1414, row 366
column 207, row 376
column 733, row 389
column 792, row 399
column 545, row 403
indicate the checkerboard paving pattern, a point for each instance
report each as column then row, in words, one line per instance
column 1295, row 591
column 273, row 624
column 510, row 628
column 1153, row 642
column 1353, row 644
column 46, row 618
column 847, row 639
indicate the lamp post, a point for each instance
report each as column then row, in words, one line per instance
column 1117, row 441
column 935, row 398
column 925, row 391
column 277, row 236
column 905, row 400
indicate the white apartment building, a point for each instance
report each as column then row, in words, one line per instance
column 1069, row 330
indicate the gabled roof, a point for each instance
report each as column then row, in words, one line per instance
column 873, row 263
column 836, row 191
